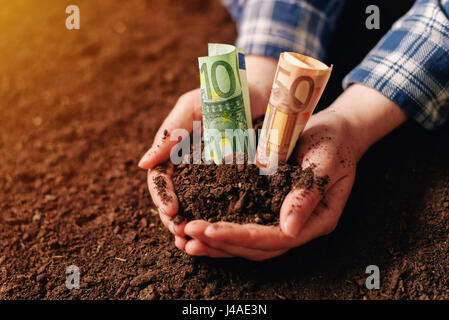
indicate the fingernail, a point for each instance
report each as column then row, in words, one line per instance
column 145, row 158
column 291, row 225
column 212, row 230
column 209, row 231
column 142, row 160
column 171, row 228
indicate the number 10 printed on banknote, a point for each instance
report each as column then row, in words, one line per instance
column 225, row 103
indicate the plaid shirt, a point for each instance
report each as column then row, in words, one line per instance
column 410, row 65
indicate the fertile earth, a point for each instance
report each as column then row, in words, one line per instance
column 77, row 110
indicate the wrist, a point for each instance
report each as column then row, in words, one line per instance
column 369, row 116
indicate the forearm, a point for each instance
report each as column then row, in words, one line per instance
column 410, row 64
column 368, row 114
column 268, row 28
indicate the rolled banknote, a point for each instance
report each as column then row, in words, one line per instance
column 225, row 103
column 297, row 87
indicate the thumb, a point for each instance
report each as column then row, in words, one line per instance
column 177, row 125
column 296, row 209
column 166, row 138
column 159, row 151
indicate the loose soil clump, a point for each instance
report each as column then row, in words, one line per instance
column 237, row 192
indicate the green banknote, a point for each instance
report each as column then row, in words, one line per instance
column 225, row 103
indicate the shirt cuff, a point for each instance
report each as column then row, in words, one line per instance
column 271, row 27
column 410, row 65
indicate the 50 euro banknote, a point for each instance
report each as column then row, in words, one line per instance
column 298, row 85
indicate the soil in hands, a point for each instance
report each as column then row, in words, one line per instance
column 238, row 192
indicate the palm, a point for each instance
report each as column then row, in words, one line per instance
column 304, row 215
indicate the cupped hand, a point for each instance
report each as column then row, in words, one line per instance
column 331, row 144
column 326, row 147
column 260, row 74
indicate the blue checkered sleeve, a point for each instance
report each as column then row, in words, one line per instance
column 269, row 27
column 410, row 65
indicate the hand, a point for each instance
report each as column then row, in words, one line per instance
column 332, row 143
column 260, row 74
column 326, row 145
column 357, row 119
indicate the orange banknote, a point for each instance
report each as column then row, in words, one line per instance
column 298, row 85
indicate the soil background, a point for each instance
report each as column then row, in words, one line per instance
column 78, row 109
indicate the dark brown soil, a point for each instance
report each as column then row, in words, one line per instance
column 236, row 192
column 79, row 108
column 161, row 186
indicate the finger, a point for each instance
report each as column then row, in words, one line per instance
column 330, row 209
column 318, row 153
column 299, row 204
column 296, row 209
column 239, row 251
column 195, row 247
column 196, row 229
column 186, row 110
column 326, row 216
column 162, row 190
column 254, row 236
column 180, row 243
column 176, row 229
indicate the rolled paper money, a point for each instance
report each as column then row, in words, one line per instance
column 297, row 87
column 225, row 103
